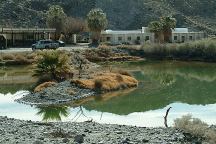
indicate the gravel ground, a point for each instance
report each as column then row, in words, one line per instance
column 14, row 131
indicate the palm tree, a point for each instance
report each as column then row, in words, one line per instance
column 156, row 28
column 97, row 22
column 168, row 23
column 54, row 64
column 55, row 18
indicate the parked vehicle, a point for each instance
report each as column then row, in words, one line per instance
column 61, row 43
column 45, row 44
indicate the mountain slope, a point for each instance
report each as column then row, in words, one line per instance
column 122, row 14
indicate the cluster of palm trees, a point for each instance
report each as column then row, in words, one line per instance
column 163, row 29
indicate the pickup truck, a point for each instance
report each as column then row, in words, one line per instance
column 45, row 44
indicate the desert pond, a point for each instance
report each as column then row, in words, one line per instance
column 187, row 87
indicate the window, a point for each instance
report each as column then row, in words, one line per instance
column 175, row 38
column 108, row 38
column 190, row 37
column 183, row 38
column 138, row 38
column 47, row 42
column 120, row 38
column 129, row 38
column 147, row 38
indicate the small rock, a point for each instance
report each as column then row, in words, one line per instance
column 65, row 140
column 119, row 132
column 37, row 142
column 126, row 141
column 79, row 139
column 145, row 140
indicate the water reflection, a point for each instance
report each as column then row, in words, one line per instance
column 15, row 78
column 186, row 87
column 161, row 84
column 151, row 118
column 53, row 113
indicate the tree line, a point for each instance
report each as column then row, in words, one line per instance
column 96, row 21
column 65, row 26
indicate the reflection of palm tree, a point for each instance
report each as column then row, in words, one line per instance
column 53, row 112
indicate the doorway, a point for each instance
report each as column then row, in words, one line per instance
column 3, row 43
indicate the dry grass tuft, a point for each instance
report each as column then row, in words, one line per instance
column 107, row 82
column 71, row 91
column 18, row 58
column 44, row 85
column 8, row 57
column 196, row 127
column 122, row 72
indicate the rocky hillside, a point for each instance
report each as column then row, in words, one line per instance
column 122, row 14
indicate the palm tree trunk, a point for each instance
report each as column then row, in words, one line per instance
column 96, row 38
column 167, row 35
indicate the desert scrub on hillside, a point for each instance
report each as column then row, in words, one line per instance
column 196, row 127
column 54, row 65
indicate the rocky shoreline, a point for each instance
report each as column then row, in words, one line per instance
column 61, row 93
column 29, row 132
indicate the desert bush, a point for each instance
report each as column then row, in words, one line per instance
column 53, row 63
column 200, row 50
column 8, row 57
column 105, row 43
column 17, row 59
column 21, row 59
column 195, row 127
column 105, row 52
column 98, row 84
column 107, row 82
column 119, row 78
column 31, row 55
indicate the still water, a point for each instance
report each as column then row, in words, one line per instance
column 187, row 87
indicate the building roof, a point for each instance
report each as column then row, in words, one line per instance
column 122, row 32
column 18, row 30
column 145, row 30
column 180, row 30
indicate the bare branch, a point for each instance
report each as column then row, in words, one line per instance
column 165, row 118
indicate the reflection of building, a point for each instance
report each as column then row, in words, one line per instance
column 143, row 35
column 18, row 37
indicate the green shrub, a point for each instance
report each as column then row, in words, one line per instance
column 53, row 63
column 196, row 127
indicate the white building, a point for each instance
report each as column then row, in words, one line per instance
column 143, row 35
